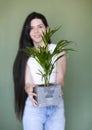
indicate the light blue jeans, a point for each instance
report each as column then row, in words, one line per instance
column 43, row 118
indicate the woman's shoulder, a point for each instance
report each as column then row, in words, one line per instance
column 30, row 60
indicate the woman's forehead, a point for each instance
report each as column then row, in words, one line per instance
column 36, row 21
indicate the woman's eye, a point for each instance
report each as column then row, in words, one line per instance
column 41, row 26
column 38, row 27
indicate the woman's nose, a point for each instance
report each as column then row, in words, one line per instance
column 36, row 30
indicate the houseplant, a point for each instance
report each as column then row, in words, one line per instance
column 48, row 94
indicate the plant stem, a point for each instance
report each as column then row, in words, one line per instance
column 46, row 80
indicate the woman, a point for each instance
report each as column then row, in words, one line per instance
column 25, row 78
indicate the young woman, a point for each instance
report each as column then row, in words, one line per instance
column 25, row 77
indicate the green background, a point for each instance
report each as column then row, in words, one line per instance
column 75, row 16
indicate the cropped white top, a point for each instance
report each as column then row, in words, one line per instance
column 35, row 67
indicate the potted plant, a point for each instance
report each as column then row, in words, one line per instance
column 48, row 94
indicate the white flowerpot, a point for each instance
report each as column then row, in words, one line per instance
column 48, row 95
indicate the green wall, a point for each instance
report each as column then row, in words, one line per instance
column 75, row 16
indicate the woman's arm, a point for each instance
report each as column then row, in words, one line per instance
column 29, row 85
column 61, row 70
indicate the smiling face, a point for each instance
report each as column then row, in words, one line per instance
column 37, row 27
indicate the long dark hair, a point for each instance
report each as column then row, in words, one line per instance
column 20, row 63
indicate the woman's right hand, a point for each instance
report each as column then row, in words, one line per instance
column 29, row 90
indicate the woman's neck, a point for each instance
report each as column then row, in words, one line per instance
column 37, row 45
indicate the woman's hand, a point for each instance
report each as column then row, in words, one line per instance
column 29, row 90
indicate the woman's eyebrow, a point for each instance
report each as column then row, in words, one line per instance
column 38, row 25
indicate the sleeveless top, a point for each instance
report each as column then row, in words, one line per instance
column 34, row 67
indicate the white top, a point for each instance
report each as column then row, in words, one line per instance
column 35, row 67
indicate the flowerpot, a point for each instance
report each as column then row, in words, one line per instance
column 48, row 95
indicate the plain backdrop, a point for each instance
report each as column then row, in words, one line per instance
column 75, row 16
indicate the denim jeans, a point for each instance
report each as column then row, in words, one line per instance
column 43, row 118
